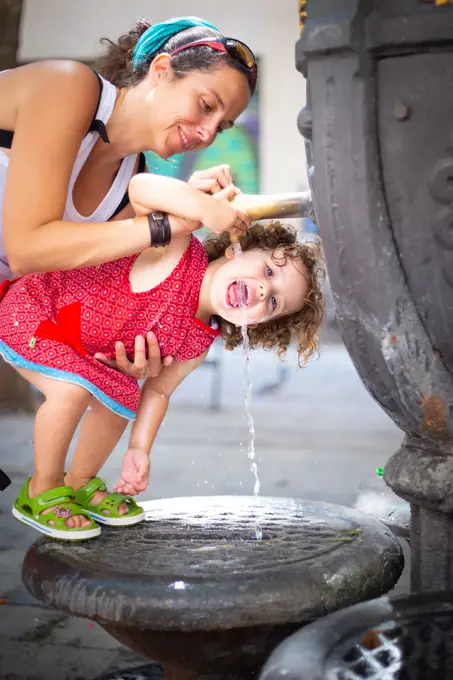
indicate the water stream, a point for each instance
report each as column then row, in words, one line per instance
column 251, row 453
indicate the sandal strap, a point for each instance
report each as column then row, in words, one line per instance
column 110, row 503
column 86, row 492
column 47, row 499
column 65, row 510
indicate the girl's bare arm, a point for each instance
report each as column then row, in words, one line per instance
column 154, row 402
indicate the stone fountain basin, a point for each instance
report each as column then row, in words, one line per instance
column 193, row 587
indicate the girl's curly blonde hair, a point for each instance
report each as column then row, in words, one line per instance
column 302, row 325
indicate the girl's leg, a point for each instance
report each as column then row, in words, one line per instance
column 100, row 433
column 55, row 423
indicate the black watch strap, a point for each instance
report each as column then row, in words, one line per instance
column 159, row 229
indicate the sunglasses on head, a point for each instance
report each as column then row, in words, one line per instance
column 235, row 48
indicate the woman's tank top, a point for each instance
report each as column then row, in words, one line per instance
column 117, row 196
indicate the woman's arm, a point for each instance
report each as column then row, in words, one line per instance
column 55, row 104
column 154, row 402
column 189, row 208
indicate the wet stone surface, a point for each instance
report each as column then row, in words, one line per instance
column 220, row 542
column 195, row 564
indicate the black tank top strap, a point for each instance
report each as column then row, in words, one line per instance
column 6, row 139
column 96, row 125
column 141, row 163
column 125, row 199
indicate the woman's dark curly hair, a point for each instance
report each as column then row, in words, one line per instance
column 116, row 62
column 302, row 325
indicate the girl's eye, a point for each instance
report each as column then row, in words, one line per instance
column 274, row 302
column 205, row 106
column 219, row 130
column 269, row 272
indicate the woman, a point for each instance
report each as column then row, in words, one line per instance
column 70, row 142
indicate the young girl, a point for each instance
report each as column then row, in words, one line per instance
column 53, row 324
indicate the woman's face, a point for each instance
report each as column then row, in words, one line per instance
column 187, row 113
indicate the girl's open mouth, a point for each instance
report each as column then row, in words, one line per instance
column 238, row 294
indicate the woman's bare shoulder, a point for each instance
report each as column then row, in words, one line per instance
column 51, row 70
column 62, row 76
column 62, row 83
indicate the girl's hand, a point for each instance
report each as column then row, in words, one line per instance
column 142, row 367
column 227, row 194
column 134, row 473
column 220, row 215
column 212, row 180
column 183, row 227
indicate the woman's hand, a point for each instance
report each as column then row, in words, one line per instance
column 142, row 367
column 212, row 180
column 134, row 473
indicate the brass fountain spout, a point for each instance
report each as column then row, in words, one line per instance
column 275, row 206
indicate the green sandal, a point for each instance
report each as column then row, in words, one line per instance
column 29, row 511
column 106, row 512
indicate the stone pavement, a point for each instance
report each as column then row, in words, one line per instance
column 320, row 436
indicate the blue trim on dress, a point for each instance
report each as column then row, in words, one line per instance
column 19, row 361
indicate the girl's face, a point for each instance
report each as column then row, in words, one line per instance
column 187, row 113
column 265, row 285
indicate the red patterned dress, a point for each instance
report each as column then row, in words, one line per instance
column 55, row 323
